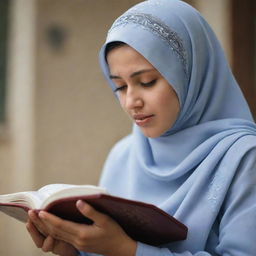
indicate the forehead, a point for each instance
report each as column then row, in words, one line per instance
column 125, row 58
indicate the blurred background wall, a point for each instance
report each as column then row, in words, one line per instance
column 61, row 118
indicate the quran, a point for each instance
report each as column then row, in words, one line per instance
column 141, row 221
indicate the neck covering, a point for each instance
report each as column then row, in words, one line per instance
column 187, row 171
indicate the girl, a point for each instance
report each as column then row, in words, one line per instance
column 192, row 151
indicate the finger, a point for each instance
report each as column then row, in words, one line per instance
column 37, row 237
column 88, row 211
column 58, row 228
column 33, row 216
column 48, row 244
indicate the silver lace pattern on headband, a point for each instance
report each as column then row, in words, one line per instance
column 157, row 27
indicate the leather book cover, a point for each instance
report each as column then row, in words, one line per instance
column 141, row 221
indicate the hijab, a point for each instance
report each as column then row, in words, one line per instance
column 187, row 170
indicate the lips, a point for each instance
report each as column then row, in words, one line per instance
column 142, row 119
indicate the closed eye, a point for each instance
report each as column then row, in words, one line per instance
column 151, row 83
column 120, row 88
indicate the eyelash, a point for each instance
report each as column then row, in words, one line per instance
column 149, row 84
column 120, row 88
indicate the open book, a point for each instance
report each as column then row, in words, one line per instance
column 141, row 221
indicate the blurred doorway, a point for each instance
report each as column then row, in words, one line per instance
column 243, row 15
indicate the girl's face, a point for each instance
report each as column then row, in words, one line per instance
column 143, row 93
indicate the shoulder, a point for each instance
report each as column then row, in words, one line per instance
column 119, row 152
column 245, row 162
column 117, row 157
column 121, row 147
column 243, row 147
column 241, row 155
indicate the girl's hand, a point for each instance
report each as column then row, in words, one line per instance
column 104, row 236
column 44, row 241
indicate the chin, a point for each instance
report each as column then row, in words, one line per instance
column 151, row 134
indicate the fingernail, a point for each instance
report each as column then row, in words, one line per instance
column 42, row 215
column 79, row 204
column 31, row 214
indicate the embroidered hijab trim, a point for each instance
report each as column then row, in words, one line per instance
column 159, row 28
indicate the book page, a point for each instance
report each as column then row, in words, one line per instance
column 29, row 199
column 50, row 189
column 52, row 192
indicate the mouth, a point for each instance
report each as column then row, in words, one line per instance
column 142, row 120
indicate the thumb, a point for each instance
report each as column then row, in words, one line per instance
column 88, row 211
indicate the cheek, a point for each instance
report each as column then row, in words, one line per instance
column 161, row 99
column 174, row 108
column 169, row 104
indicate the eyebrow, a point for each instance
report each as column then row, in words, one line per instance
column 133, row 74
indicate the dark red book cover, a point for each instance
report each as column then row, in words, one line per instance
column 142, row 222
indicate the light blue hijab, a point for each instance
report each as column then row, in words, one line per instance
column 190, row 170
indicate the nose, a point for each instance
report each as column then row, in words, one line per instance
column 133, row 99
